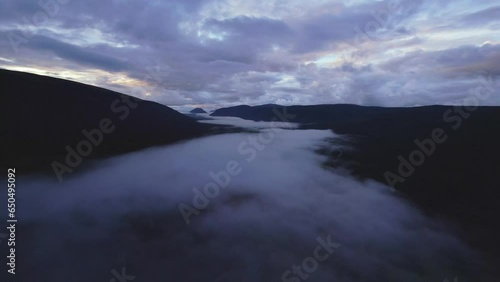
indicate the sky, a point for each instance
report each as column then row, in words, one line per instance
column 215, row 53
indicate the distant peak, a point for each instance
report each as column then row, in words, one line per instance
column 269, row 106
column 198, row 111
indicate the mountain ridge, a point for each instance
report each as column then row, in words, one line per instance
column 64, row 109
column 457, row 180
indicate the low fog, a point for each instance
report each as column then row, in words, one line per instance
column 125, row 212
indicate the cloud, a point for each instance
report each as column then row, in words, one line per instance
column 483, row 17
column 222, row 53
column 77, row 54
column 251, row 27
column 464, row 60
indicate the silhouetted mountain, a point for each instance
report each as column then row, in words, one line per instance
column 304, row 114
column 268, row 106
column 198, row 111
column 459, row 179
column 43, row 115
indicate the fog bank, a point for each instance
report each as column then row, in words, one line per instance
column 271, row 215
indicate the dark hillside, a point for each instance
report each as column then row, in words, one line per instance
column 42, row 115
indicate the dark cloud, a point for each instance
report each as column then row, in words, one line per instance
column 252, row 27
column 354, row 25
column 77, row 54
column 456, row 61
column 219, row 52
column 482, row 17
column 14, row 11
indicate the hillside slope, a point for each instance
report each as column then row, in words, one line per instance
column 457, row 179
column 43, row 115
